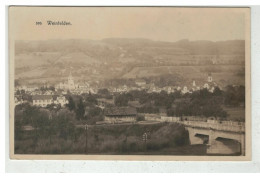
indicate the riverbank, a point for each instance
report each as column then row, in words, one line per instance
column 162, row 138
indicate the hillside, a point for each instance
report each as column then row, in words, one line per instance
column 124, row 58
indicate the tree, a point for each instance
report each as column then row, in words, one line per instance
column 40, row 122
column 121, row 100
column 29, row 112
column 94, row 114
column 18, row 92
column 90, row 100
column 71, row 104
column 103, row 92
column 18, row 129
column 80, row 111
column 52, row 88
column 63, row 123
column 140, row 117
column 171, row 112
column 53, row 107
column 217, row 91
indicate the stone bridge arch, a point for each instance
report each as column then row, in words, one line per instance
column 218, row 142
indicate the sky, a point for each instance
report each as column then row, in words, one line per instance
column 156, row 23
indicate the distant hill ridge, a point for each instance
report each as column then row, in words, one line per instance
column 114, row 44
column 112, row 58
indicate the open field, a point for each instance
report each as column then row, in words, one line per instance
column 222, row 74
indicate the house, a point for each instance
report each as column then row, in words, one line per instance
column 185, row 90
column 61, row 100
column 135, row 104
column 103, row 102
column 48, row 92
column 42, row 100
column 31, row 88
column 152, row 117
column 140, row 82
column 117, row 114
column 210, row 85
column 194, row 118
column 18, row 100
column 170, row 119
column 194, row 86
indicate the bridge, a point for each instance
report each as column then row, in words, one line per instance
column 224, row 138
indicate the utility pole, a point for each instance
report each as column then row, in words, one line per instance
column 145, row 140
column 86, row 142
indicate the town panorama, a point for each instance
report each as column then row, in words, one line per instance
column 130, row 97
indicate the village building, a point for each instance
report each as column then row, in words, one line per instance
column 210, row 84
column 37, row 92
column 48, row 92
column 140, row 82
column 134, row 104
column 103, row 102
column 168, row 89
column 125, row 88
column 61, row 100
column 194, row 118
column 194, row 86
column 153, row 88
column 44, row 100
column 18, row 100
column 68, row 85
column 84, row 87
column 170, row 119
column 152, row 117
column 120, row 114
column 31, row 88
column 23, row 87
column 185, row 90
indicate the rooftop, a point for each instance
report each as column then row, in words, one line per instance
column 120, row 111
column 42, row 97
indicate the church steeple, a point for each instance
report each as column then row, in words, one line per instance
column 71, row 84
column 193, row 83
column 210, row 77
column 70, row 77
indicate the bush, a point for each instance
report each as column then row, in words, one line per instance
column 140, row 117
column 179, row 140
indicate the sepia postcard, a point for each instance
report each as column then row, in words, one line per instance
column 129, row 83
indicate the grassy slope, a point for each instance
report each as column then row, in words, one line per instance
column 222, row 74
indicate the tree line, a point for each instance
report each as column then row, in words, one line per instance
column 198, row 103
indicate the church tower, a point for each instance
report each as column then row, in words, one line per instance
column 71, row 82
column 193, row 83
column 210, row 77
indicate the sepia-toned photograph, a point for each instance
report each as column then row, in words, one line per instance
column 169, row 83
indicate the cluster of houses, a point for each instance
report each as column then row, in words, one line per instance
column 75, row 88
column 43, row 100
column 150, row 88
column 129, row 114
column 57, row 96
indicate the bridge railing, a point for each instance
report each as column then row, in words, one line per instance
column 216, row 126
